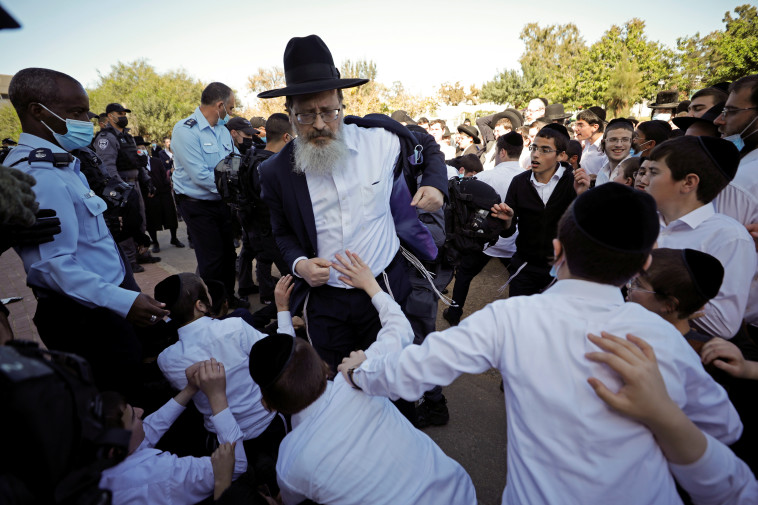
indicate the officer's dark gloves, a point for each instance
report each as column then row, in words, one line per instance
column 45, row 227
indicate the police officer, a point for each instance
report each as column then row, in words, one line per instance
column 86, row 295
column 118, row 152
column 199, row 142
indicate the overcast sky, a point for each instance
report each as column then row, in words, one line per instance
column 420, row 43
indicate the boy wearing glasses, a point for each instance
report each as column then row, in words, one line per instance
column 618, row 138
column 684, row 175
column 535, row 201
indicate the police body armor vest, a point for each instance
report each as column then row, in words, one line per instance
column 127, row 158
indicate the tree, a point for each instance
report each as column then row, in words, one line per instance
column 157, row 101
column 735, row 51
column 365, row 99
column 10, row 126
column 263, row 80
column 397, row 98
column 624, row 83
column 509, row 86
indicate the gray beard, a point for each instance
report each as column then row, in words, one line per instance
column 314, row 159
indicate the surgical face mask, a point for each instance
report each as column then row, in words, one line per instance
column 263, row 139
column 662, row 117
column 737, row 139
column 153, row 145
column 122, row 121
column 78, row 133
column 554, row 269
column 141, row 152
column 245, row 145
column 634, row 153
column 223, row 120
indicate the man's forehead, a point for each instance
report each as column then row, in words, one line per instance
column 315, row 100
column 542, row 141
column 740, row 97
column 536, row 104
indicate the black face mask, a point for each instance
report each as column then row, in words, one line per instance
column 122, row 121
column 246, row 145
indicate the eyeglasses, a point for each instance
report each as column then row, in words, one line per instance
column 634, row 285
column 310, row 117
column 543, row 149
column 614, row 140
column 730, row 111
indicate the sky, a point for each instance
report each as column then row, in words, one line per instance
column 419, row 43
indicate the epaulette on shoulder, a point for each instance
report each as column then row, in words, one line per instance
column 190, row 122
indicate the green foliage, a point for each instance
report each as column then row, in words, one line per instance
column 10, row 126
column 509, row 86
column 157, row 101
column 625, row 82
column 454, row 94
column 735, row 51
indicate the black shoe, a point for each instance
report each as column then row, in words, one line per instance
column 452, row 315
column 156, row 248
column 176, row 242
column 148, row 259
column 238, row 303
column 137, row 268
column 252, row 290
column 430, row 413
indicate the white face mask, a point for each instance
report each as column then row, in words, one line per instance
column 662, row 117
column 737, row 139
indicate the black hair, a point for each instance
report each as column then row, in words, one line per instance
column 717, row 94
column 513, row 151
column 36, row 85
column 744, row 82
column 652, row 130
column 276, row 126
column 590, row 117
column 561, row 141
column 215, row 92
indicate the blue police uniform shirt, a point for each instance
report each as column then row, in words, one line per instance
column 197, row 148
column 82, row 262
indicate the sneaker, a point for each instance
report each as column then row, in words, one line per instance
column 156, row 248
column 452, row 315
column 431, row 413
column 176, row 243
column 137, row 268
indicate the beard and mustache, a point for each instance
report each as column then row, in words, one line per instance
column 322, row 156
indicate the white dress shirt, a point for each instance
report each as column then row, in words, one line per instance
column 525, row 160
column 151, row 476
column 565, row 445
column 228, row 341
column 545, row 189
column 717, row 478
column 729, row 242
column 352, row 206
column 739, row 200
column 592, row 158
column 500, row 178
column 350, row 448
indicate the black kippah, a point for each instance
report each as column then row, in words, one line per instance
column 557, row 127
column 269, row 358
column 617, row 217
column 513, row 139
column 723, row 154
column 706, row 272
column 169, row 291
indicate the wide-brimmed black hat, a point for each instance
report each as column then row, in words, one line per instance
column 708, row 117
column 515, row 117
column 666, row 100
column 139, row 140
column 309, row 68
column 555, row 111
column 470, row 131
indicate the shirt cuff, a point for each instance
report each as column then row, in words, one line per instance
column 294, row 264
column 380, row 300
column 226, row 427
column 284, row 323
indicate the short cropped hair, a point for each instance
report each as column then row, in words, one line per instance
column 617, row 124
column 276, row 126
column 215, row 92
column 193, row 289
column 301, row 383
column 471, row 163
column 574, row 149
column 652, row 130
column 630, row 166
column 511, row 150
column 561, row 140
column 590, row 117
column 422, row 120
column 669, row 276
column 717, row 94
column 504, row 121
column 35, row 85
column 440, row 122
column 589, row 260
column 685, row 155
column 750, row 81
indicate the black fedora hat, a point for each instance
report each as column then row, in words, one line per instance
column 470, row 131
column 309, row 68
column 517, row 120
column 666, row 100
column 708, row 117
column 555, row 111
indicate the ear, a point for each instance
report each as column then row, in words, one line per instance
column 671, row 305
column 562, row 156
column 648, row 262
column 200, row 306
column 690, row 183
column 557, row 249
column 594, row 127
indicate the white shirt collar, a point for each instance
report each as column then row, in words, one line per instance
column 694, row 218
column 556, row 176
column 195, row 326
column 604, row 293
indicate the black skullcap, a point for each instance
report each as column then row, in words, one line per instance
column 723, row 154
column 617, row 217
column 706, row 272
column 557, row 127
column 598, row 111
column 513, row 139
column 619, row 120
column 269, row 358
column 169, row 291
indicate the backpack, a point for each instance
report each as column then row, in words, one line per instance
column 469, row 227
column 254, row 211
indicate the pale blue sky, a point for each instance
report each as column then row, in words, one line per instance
column 420, row 43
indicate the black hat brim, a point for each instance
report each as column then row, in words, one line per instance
column 306, row 88
column 685, row 122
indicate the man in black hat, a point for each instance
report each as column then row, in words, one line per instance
column 493, row 127
column 331, row 190
column 554, row 113
column 556, row 424
column 468, row 140
column 664, row 107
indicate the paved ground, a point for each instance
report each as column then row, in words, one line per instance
column 475, row 435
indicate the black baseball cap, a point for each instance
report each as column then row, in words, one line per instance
column 241, row 124
column 115, row 107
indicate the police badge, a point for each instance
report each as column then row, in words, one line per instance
column 102, row 143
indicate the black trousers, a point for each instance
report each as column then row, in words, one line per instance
column 210, row 225
column 532, row 279
column 340, row 321
column 471, row 265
